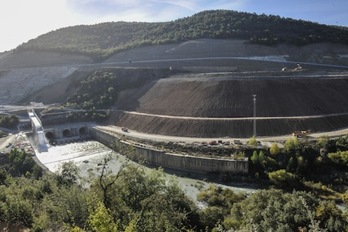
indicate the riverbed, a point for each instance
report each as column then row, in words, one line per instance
column 89, row 155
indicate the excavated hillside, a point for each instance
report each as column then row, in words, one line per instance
column 212, row 97
column 219, row 105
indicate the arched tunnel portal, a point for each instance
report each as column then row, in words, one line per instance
column 49, row 135
column 83, row 130
column 67, row 133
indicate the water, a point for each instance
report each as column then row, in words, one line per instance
column 89, row 156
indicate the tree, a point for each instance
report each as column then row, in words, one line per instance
column 68, row 174
column 9, row 121
column 18, row 211
column 323, row 141
column 340, row 157
column 101, row 220
column 292, row 165
column 255, row 157
column 282, row 178
column 330, row 217
column 291, row 144
column 252, row 141
column 274, row 149
column 274, row 210
column 145, row 201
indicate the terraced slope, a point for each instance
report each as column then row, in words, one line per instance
column 218, row 105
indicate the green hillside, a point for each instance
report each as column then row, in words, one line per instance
column 102, row 40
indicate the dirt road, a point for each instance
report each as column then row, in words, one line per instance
column 232, row 119
column 164, row 138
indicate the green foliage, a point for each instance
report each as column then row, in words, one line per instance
column 8, row 121
column 340, row 157
column 3, row 133
column 292, row 165
column 137, row 200
column 342, row 143
column 220, row 197
column 23, row 164
column 144, row 201
column 102, row 40
column 282, row 178
column 17, row 211
column 94, row 95
column 291, row 144
column 210, row 217
column 252, row 141
column 219, row 201
column 330, row 217
column 255, row 157
column 323, row 141
column 101, row 220
column 274, row 149
column 97, row 91
column 273, row 210
column 68, row 173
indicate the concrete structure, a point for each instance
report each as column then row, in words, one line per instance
column 38, row 132
column 57, row 134
column 73, row 132
column 168, row 160
column 64, row 133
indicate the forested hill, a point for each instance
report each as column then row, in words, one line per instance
column 102, row 40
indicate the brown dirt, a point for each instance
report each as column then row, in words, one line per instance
column 312, row 92
column 317, row 53
column 230, row 96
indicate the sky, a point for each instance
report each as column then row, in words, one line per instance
column 22, row 20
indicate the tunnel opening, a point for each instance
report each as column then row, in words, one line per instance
column 66, row 133
column 83, row 131
column 49, row 135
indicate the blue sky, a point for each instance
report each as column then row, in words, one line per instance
column 22, row 20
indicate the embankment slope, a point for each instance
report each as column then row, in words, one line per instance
column 219, row 105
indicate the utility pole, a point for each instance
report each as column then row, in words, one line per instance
column 254, row 122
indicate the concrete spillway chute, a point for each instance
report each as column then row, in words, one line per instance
column 38, row 132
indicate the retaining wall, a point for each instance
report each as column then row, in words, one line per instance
column 169, row 160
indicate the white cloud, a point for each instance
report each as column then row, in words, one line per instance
column 22, row 20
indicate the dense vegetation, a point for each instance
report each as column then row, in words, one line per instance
column 97, row 91
column 319, row 166
column 94, row 95
column 102, row 40
column 10, row 121
column 135, row 200
column 270, row 210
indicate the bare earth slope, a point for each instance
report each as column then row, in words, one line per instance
column 218, row 105
column 317, row 53
column 227, row 95
column 227, row 74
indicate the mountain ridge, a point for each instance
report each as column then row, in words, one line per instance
column 100, row 41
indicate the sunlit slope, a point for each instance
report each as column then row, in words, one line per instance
column 105, row 39
column 219, row 105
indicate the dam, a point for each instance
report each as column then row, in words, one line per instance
column 74, row 132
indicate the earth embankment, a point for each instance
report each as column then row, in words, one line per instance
column 286, row 102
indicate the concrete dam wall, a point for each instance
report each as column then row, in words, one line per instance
column 168, row 160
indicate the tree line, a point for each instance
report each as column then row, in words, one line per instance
column 102, row 40
column 138, row 200
column 9, row 121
